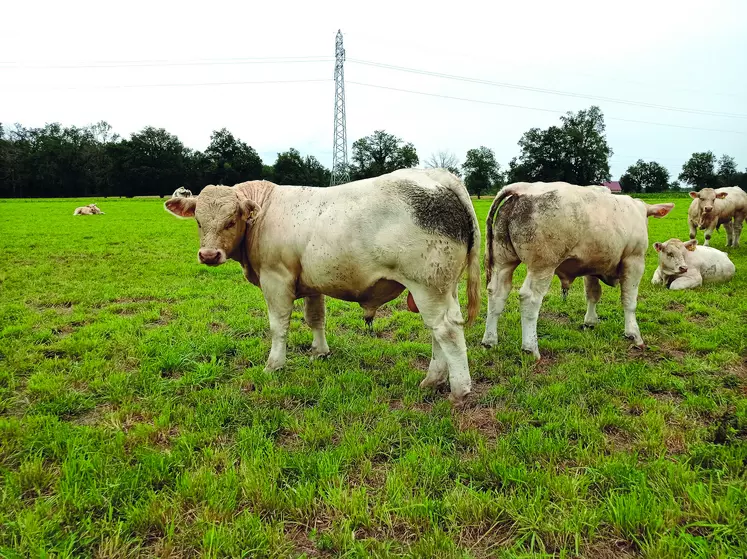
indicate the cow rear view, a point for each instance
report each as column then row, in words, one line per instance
column 568, row 231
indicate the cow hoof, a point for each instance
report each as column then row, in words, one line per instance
column 638, row 347
column 534, row 352
column 489, row 342
column 458, row 401
column 317, row 356
column 272, row 368
column 434, row 383
column 586, row 326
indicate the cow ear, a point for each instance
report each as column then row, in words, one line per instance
column 690, row 245
column 181, row 207
column 659, row 210
column 693, row 195
column 249, row 209
column 721, row 195
column 658, row 247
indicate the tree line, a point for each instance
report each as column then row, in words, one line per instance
column 57, row 161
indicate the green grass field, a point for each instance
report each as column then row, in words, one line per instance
column 136, row 419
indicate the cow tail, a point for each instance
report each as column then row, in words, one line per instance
column 502, row 195
column 473, row 270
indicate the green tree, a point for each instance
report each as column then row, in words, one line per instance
column 727, row 174
column 151, row 162
column 231, row 160
column 481, row 171
column 699, row 170
column 291, row 168
column 645, row 177
column 444, row 160
column 576, row 151
column 381, row 153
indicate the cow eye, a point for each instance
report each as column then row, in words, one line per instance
column 230, row 224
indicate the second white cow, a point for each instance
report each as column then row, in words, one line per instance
column 569, row 231
column 686, row 265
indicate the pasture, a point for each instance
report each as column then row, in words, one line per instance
column 136, row 419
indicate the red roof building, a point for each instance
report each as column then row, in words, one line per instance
column 614, row 186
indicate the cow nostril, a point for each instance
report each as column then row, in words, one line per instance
column 683, row 269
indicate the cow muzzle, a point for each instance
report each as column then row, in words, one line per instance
column 211, row 256
column 708, row 210
column 683, row 269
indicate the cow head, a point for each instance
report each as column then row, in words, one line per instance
column 222, row 219
column 706, row 201
column 672, row 256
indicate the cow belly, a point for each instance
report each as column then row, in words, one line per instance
column 375, row 294
column 574, row 268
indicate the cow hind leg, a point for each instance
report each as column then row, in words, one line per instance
column 593, row 295
column 314, row 313
column 498, row 290
column 442, row 315
column 632, row 272
column 438, row 369
column 531, row 294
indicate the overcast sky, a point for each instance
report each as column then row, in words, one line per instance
column 680, row 54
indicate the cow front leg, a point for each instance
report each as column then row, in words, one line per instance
column 531, row 294
column 693, row 229
column 279, row 297
column 658, row 278
column 314, row 313
column 593, row 294
column 729, row 227
column 737, row 231
column 498, row 290
column 689, row 281
column 632, row 272
column 707, row 236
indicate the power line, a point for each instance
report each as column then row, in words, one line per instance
column 539, row 109
column 544, row 90
column 473, row 56
column 200, row 84
column 160, row 63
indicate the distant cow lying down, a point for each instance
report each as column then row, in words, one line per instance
column 568, row 231
column 90, row 209
column 686, row 265
column 364, row 241
column 182, row 192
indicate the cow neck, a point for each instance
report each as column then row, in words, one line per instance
column 258, row 192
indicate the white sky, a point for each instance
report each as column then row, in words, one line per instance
column 674, row 53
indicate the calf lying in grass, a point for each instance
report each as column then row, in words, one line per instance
column 686, row 265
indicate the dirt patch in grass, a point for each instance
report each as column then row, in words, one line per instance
column 556, row 317
column 95, row 416
column 299, row 539
column 547, row 361
column 610, row 549
column 675, row 306
column 480, row 419
column 123, row 300
column 617, row 439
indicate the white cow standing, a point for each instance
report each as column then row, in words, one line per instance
column 569, row 231
column 712, row 208
column 182, row 192
column 686, row 265
column 364, row 241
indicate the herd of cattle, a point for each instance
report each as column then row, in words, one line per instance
column 416, row 229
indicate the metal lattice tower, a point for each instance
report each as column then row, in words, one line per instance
column 340, row 173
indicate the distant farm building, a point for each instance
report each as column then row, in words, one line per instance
column 614, row 186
